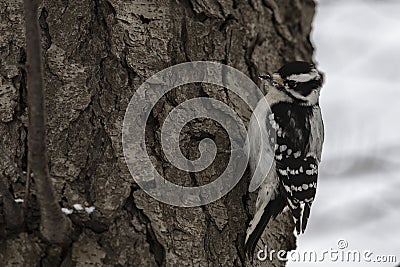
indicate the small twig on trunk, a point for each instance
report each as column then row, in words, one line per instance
column 54, row 225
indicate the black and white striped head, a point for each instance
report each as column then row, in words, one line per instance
column 298, row 80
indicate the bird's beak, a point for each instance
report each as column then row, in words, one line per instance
column 273, row 79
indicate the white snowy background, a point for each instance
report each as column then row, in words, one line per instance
column 358, row 47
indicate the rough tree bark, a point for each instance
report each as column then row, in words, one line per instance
column 96, row 53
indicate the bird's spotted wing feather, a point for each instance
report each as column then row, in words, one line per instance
column 297, row 169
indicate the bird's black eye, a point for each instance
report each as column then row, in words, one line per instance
column 291, row 84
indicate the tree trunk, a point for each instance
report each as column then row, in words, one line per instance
column 96, row 53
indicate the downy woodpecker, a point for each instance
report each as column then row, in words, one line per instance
column 293, row 96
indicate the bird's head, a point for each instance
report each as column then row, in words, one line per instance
column 299, row 80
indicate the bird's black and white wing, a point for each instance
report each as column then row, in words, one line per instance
column 297, row 155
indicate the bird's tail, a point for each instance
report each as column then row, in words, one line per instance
column 300, row 217
column 260, row 221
